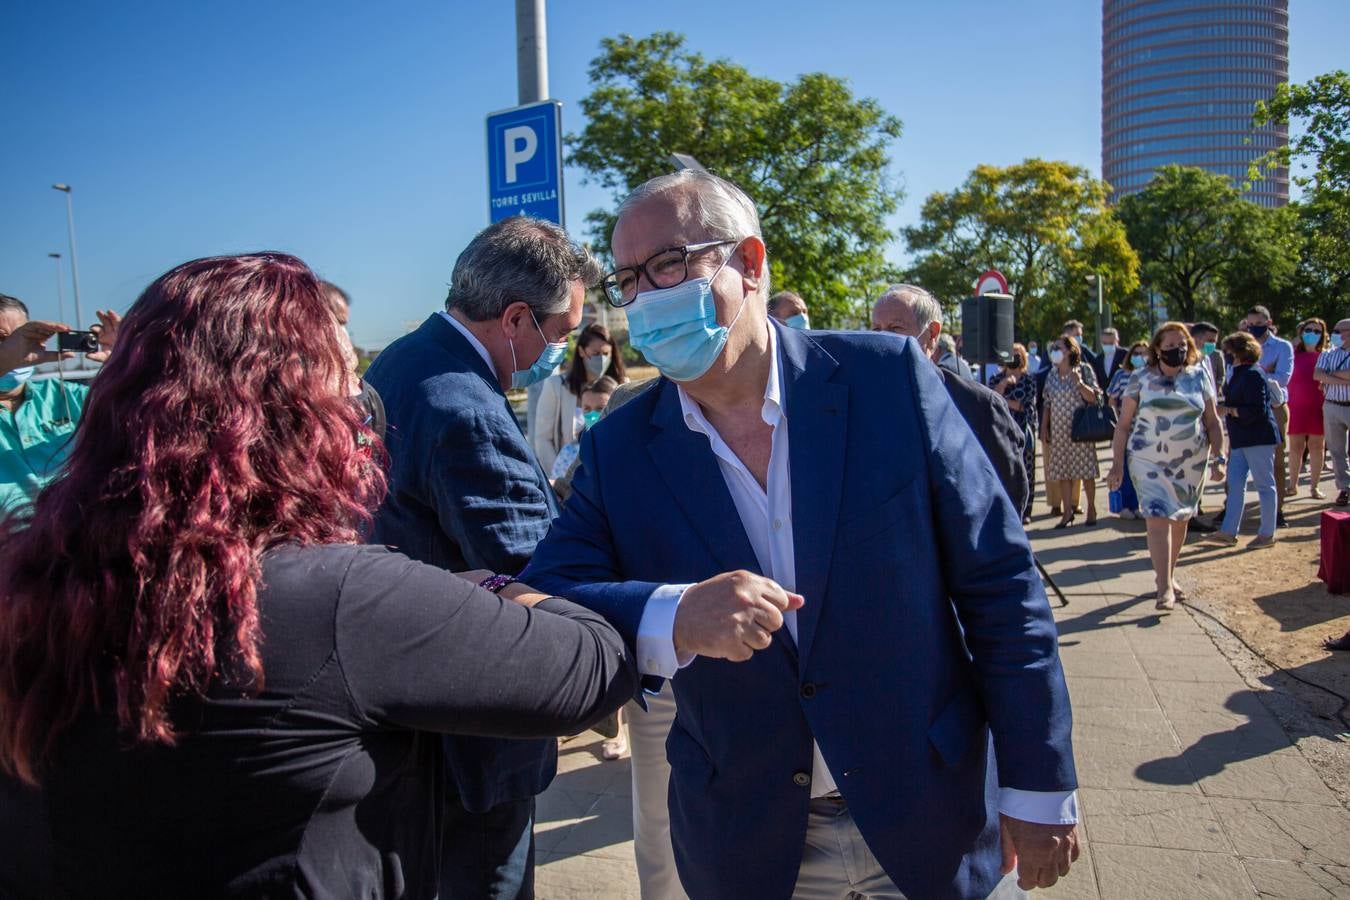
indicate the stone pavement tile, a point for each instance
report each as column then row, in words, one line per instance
column 588, row 877
column 1155, row 819
column 1094, row 640
column 1196, row 709
column 558, row 804
column 1157, row 642
column 1113, row 766
column 1111, row 693
column 607, row 832
column 1189, row 668
column 1277, row 775
column 1145, row 873
column 1297, row 881
column 1140, row 727
column 578, row 752
column 1274, row 829
column 1099, row 665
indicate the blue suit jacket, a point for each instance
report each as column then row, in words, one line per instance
column 925, row 624
column 465, row 492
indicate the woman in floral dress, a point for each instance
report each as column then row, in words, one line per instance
column 1170, row 422
column 1069, row 385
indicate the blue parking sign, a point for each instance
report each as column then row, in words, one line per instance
column 524, row 147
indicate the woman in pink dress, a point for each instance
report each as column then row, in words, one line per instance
column 1305, row 405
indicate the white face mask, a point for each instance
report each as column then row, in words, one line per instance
column 1056, row 356
column 1108, row 348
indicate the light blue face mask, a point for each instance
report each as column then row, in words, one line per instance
column 799, row 321
column 1310, row 338
column 1336, row 339
column 14, row 378
column 1138, row 361
column 676, row 328
column 543, row 367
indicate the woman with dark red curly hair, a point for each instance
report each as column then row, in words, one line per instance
column 219, row 689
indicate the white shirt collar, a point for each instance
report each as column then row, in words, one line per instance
column 473, row 341
column 773, row 406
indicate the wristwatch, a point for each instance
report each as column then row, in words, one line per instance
column 495, row 583
column 1218, row 460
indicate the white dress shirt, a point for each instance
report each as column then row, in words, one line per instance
column 473, row 341
column 766, row 516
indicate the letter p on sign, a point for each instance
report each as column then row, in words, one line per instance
column 521, row 145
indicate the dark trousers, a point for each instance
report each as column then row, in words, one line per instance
column 488, row 856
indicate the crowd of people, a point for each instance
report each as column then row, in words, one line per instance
column 268, row 626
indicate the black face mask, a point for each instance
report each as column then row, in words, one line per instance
column 1258, row 331
column 1175, row 357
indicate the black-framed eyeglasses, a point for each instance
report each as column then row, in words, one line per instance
column 663, row 269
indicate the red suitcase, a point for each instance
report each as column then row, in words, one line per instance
column 1335, row 567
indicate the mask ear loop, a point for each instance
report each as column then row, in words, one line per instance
column 744, row 297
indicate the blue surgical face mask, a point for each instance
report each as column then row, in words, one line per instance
column 1311, row 338
column 1208, row 348
column 1138, row 361
column 14, row 378
column 676, row 328
column 799, row 321
column 1335, row 339
column 590, row 418
column 543, row 367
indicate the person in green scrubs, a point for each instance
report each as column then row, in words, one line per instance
column 37, row 418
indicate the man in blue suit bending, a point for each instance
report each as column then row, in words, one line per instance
column 466, row 492
column 801, row 525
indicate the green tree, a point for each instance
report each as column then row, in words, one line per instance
column 1319, row 154
column 1043, row 224
column 1318, row 157
column 811, row 155
column 1183, row 225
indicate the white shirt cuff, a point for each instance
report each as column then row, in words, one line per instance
column 656, row 633
column 1042, row 807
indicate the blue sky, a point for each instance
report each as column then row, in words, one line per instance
column 352, row 134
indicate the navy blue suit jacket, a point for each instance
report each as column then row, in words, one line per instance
column 925, row 624
column 465, row 492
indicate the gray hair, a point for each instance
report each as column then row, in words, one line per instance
column 8, row 303
column 947, row 343
column 719, row 207
column 784, row 297
column 925, row 306
column 519, row 259
column 717, row 204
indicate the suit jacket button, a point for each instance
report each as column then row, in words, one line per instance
column 801, row 779
column 808, row 690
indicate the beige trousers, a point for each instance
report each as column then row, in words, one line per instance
column 647, row 732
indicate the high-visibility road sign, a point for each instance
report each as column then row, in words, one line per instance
column 524, row 151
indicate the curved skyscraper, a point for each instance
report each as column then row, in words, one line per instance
column 1179, row 81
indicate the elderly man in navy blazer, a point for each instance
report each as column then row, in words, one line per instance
column 466, row 492
column 799, row 528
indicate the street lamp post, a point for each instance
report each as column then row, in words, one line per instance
column 60, row 295
column 60, row 301
column 74, row 261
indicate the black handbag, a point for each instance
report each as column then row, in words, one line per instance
column 1093, row 424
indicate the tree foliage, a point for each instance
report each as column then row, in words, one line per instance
column 1318, row 157
column 1183, row 225
column 1043, row 224
column 811, row 155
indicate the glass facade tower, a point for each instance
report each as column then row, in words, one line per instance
column 1179, row 81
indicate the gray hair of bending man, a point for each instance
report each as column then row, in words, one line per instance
column 519, row 259
column 946, row 343
column 719, row 207
column 926, row 308
column 8, row 303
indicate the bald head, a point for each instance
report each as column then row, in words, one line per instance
column 909, row 310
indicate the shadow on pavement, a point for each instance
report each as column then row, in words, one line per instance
column 1211, row 754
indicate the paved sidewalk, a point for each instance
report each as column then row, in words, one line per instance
column 1190, row 786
